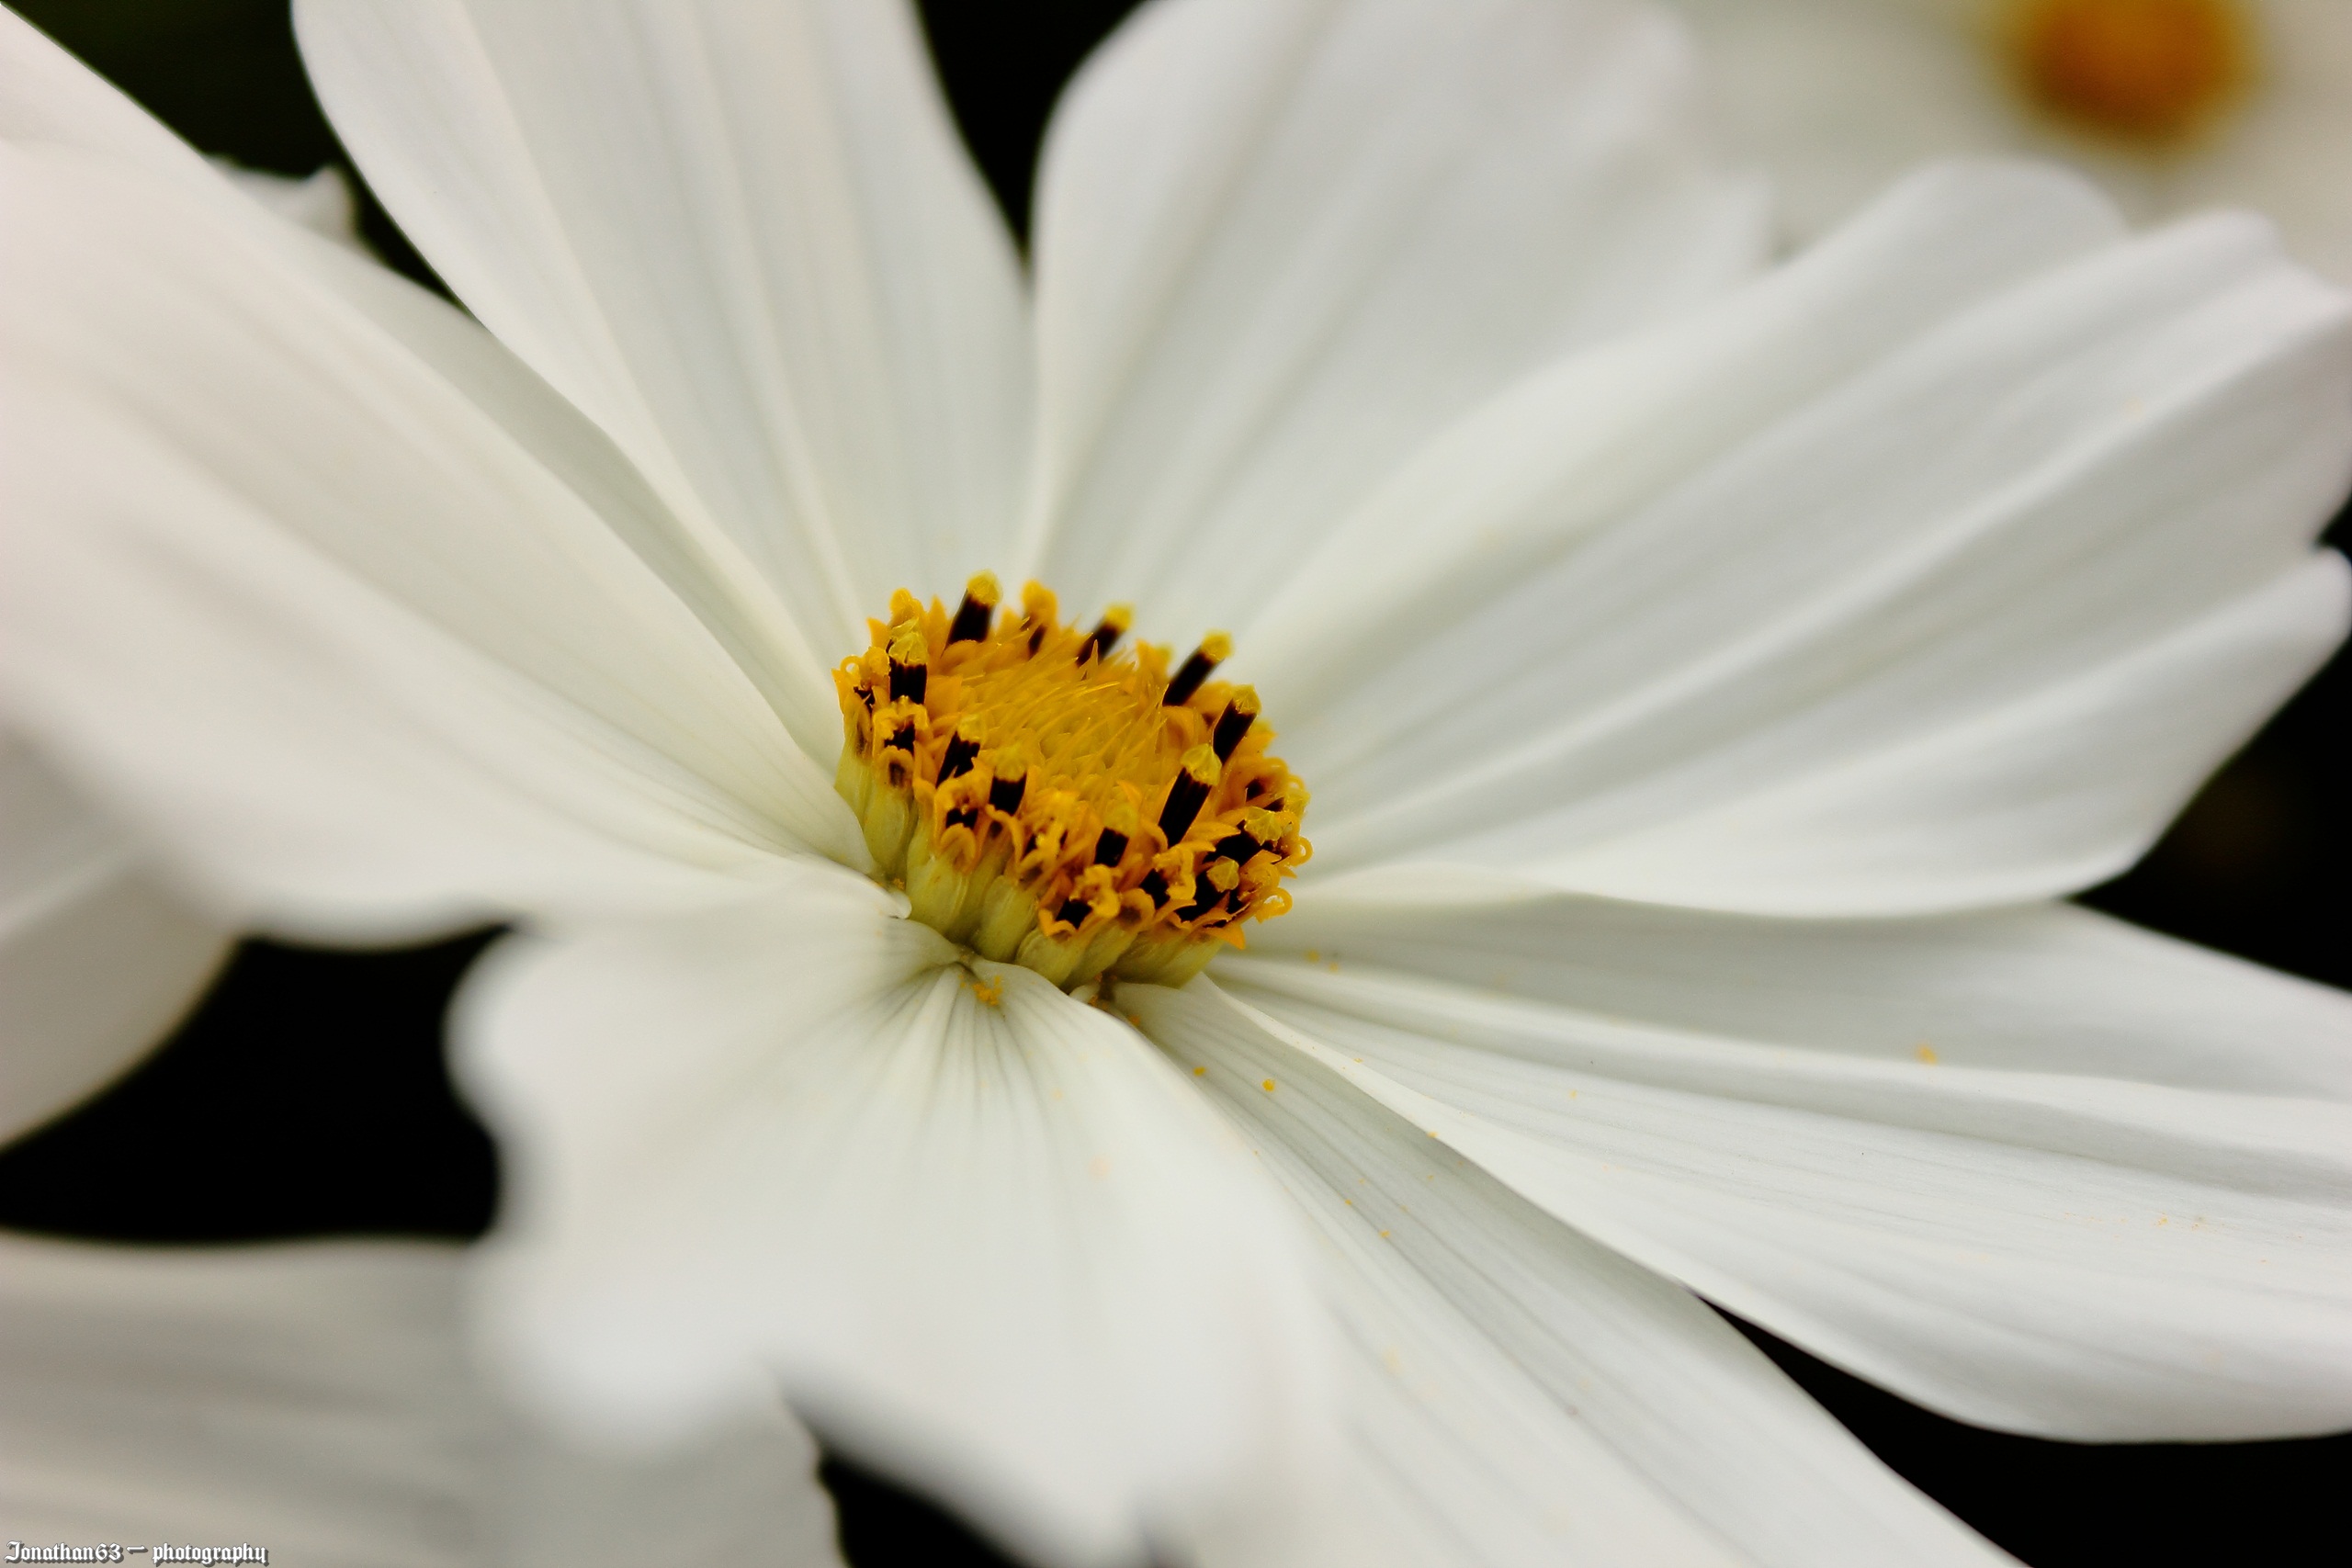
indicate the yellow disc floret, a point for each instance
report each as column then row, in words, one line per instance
column 2151, row 72
column 1050, row 799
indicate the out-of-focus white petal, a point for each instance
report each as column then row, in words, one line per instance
column 304, row 605
column 1961, row 622
column 48, row 97
column 744, row 239
column 2032, row 1169
column 1280, row 241
column 983, row 1235
column 1835, row 99
column 316, row 1400
column 98, row 960
column 1522, row 1394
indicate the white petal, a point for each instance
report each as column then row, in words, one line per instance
column 744, row 239
column 991, row 1242
column 2074, row 780
column 1835, row 98
column 98, row 961
column 316, row 1400
column 1280, row 241
column 321, row 616
column 48, row 97
column 1523, row 1395
column 1964, row 624
column 2032, row 1169
column 1559, row 454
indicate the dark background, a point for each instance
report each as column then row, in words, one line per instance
column 367, row 1137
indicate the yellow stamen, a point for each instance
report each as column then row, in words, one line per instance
column 2153, row 72
column 1050, row 797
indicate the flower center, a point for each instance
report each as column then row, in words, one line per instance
column 2149, row 71
column 1050, row 799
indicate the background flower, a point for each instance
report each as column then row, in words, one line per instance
column 1835, row 97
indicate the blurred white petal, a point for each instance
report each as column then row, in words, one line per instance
column 992, row 1242
column 2032, row 1169
column 48, row 97
column 1279, row 242
column 98, row 959
column 315, row 1399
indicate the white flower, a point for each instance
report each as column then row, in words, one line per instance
column 314, row 1400
column 1707, row 676
column 2174, row 105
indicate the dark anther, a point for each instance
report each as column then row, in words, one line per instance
column 1185, row 798
column 903, row 738
column 1035, row 638
column 1106, row 633
column 908, row 681
column 1238, row 846
column 1231, row 726
column 1110, row 847
column 866, row 693
column 1005, row 793
column 1074, row 912
column 1195, row 670
column 969, row 816
column 971, row 622
column 1155, row 888
column 1209, row 900
column 958, row 759
column 1253, row 789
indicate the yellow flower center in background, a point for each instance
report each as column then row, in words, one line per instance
column 2151, row 71
column 1050, row 799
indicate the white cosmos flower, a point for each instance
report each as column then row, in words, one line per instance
column 1706, row 675
column 315, row 1400
column 2175, row 105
